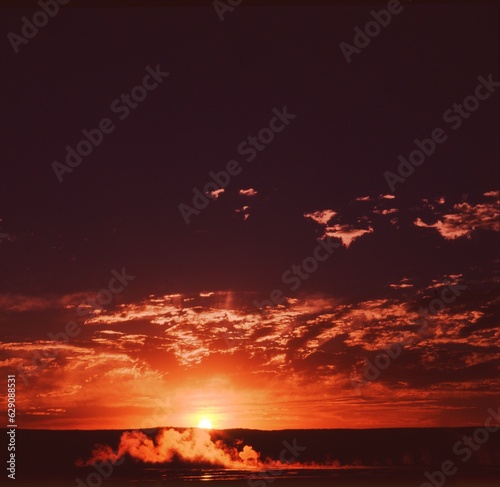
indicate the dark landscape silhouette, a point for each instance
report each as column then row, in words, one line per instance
column 366, row 457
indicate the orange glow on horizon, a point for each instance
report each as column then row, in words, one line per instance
column 210, row 357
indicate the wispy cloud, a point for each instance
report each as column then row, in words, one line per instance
column 310, row 345
column 465, row 218
column 244, row 210
column 247, row 192
column 347, row 233
column 216, row 193
column 322, row 217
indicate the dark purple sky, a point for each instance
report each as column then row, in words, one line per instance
column 120, row 206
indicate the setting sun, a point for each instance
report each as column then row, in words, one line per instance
column 205, row 424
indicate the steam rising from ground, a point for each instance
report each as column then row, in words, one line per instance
column 191, row 445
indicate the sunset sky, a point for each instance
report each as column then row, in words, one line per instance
column 181, row 337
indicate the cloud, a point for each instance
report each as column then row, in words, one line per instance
column 373, row 198
column 244, row 211
column 213, row 349
column 464, row 219
column 388, row 211
column 216, row 193
column 345, row 232
column 321, row 217
column 402, row 284
column 19, row 303
column 247, row 192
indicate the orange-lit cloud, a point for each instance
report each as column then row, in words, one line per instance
column 404, row 283
column 347, row 233
column 465, row 218
column 244, row 211
column 247, row 192
column 216, row 193
column 322, row 217
column 216, row 355
column 21, row 303
column 386, row 211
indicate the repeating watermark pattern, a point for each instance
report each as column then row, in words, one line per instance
column 121, row 107
column 11, row 432
column 30, row 28
column 41, row 360
column 7, row 237
column 103, row 470
column 392, row 351
column 363, row 37
column 298, row 274
column 454, row 117
column 222, row 7
column 263, row 478
column 464, row 449
column 249, row 148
